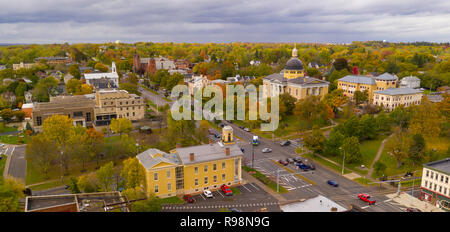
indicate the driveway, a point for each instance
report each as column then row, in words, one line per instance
column 18, row 164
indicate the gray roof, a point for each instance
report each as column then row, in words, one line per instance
column 148, row 161
column 299, row 80
column 440, row 165
column 387, row 76
column 360, row 79
column 398, row 91
column 410, row 78
column 208, row 152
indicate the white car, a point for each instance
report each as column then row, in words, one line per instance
column 2, row 145
column 207, row 193
column 266, row 150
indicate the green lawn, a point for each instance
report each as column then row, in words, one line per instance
column 2, row 166
column 440, row 144
column 326, row 163
column 171, row 200
column 4, row 129
column 363, row 181
column 271, row 184
column 15, row 139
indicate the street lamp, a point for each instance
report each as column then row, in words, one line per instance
column 137, row 146
column 343, row 160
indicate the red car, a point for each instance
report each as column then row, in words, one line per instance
column 283, row 162
column 366, row 198
column 226, row 190
column 189, row 199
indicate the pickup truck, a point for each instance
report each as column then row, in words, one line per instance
column 366, row 198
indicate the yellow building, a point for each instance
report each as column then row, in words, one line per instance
column 190, row 170
column 352, row 83
column 292, row 80
column 394, row 97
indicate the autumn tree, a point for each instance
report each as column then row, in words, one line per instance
column 105, row 177
column 74, row 70
column 93, row 142
column 101, row 67
column 41, row 152
column 335, row 99
column 88, row 183
column 11, row 191
column 352, row 151
column 398, row 146
column 121, row 125
column 333, row 143
column 133, row 173
column 315, row 141
column 426, row 119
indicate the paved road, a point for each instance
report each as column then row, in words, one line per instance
column 18, row 163
column 345, row 194
column 157, row 99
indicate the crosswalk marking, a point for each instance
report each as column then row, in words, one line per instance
column 219, row 206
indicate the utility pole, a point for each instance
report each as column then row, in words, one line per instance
column 61, row 167
column 253, row 154
column 278, row 182
column 343, row 160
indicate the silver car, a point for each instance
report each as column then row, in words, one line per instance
column 266, row 150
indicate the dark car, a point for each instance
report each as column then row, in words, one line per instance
column 285, row 143
column 409, row 174
column 229, row 121
column 312, row 167
column 222, row 125
column 27, row 192
column 242, row 149
column 242, row 127
column 218, row 136
column 297, row 159
column 303, row 166
column 333, row 183
column 189, row 199
column 290, row 160
column 283, row 162
column 235, row 210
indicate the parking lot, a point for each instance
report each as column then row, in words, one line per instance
column 250, row 198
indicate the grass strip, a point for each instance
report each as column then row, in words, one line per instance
column 265, row 180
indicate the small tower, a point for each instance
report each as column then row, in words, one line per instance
column 227, row 135
column 294, row 51
column 113, row 67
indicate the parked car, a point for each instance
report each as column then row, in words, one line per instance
column 218, row 136
column 207, row 193
column 290, row 160
column 409, row 174
column 229, row 121
column 189, row 199
column 242, row 127
column 283, row 162
column 303, row 166
column 311, row 166
column 266, row 150
column 366, row 197
column 2, row 145
column 285, row 143
column 242, row 149
column 226, row 190
column 413, row 210
column 222, row 125
column 246, row 129
column 333, row 183
column 235, row 210
column 297, row 159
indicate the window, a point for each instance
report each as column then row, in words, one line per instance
column 206, row 168
column 39, row 121
column 223, row 165
column 168, row 174
column 426, row 183
column 78, row 114
column 120, row 103
column 442, row 178
column 156, row 189
column 196, row 170
column 431, row 176
column 446, row 180
column 214, row 167
column 155, row 176
column 133, row 114
column 169, row 186
column 437, row 176
column 88, row 116
column 196, row 181
column 440, row 189
column 223, row 176
column 215, row 179
column 206, row 180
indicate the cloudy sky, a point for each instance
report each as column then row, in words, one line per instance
column 73, row 21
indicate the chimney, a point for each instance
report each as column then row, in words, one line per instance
column 227, row 151
column 191, row 156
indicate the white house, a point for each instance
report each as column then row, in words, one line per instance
column 410, row 82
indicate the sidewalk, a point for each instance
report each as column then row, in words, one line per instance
column 249, row 178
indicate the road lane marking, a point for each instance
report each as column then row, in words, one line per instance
column 254, row 186
column 246, row 188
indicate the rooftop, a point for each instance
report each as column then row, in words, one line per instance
column 359, row 79
column 316, row 204
column 208, row 152
column 153, row 157
column 398, row 91
column 65, row 102
column 386, row 76
column 440, row 165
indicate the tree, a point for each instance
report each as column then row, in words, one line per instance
column 121, row 125
column 352, row 151
column 368, row 127
column 85, row 89
column 41, row 152
column 340, row 63
column 44, row 89
column 101, row 67
column 335, row 99
column 20, row 115
column 312, row 110
column 315, row 141
column 361, row 96
column 133, row 173
column 11, row 191
column 287, row 104
column 73, row 185
column 379, row 167
column 74, row 70
column 59, row 129
column 398, row 146
column 426, row 119
column 94, row 142
column 105, row 177
column 6, row 115
column 73, row 86
column 333, row 143
column 88, row 183
column 152, row 204
column 416, row 149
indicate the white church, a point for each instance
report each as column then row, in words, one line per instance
column 93, row 78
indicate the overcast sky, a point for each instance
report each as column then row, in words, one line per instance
column 74, row 21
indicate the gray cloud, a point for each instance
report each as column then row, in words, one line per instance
column 49, row 21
